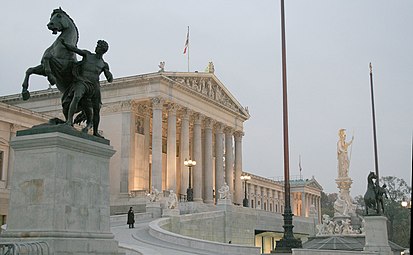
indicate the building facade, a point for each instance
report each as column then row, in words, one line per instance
column 268, row 195
column 155, row 121
column 12, row 119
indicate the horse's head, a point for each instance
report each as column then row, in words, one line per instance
column 371, row 176
column 59, row 21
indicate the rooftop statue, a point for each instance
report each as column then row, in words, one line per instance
column 59, row 64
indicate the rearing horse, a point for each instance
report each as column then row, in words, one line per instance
column 57, row 61
column 370, row 196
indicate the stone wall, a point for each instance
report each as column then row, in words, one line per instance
column 234, row 223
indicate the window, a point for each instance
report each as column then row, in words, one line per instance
column 252, row 203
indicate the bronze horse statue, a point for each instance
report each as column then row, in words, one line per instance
column 370, row 199
column 57, row 62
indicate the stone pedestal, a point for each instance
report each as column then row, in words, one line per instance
column 224, row 204
column 344, row 206
column 170, row 212
column 376, row 235
column 60, row 191
column 155, row 209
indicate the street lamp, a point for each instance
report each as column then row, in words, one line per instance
column 245, row 178
column 189, row 192
column 406, row 204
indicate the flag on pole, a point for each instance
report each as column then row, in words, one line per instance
column 186, row 42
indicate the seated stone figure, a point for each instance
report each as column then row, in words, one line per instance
column 153, row 195
column 224, row 192
column 172, row 200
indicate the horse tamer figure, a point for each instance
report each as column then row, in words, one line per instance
column 57, row 65
column 373, row 199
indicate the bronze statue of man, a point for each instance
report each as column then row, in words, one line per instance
column 85, row 89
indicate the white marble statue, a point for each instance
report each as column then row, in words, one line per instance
column 161, row 66
column 347, row 227
column 224, row 192
column 344, row 206
column 154, row 195
column 342, row 153
column 172, row 200
column 324, row 227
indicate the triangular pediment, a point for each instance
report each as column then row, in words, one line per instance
column 314, row 184
column 208, row 87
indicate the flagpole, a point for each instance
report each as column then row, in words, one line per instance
column 188, row 49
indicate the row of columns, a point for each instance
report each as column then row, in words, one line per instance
column 270, row 196
column 264, row 195
column 308, row 199
column 202, row 153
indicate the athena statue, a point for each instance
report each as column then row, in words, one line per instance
column 342, row 153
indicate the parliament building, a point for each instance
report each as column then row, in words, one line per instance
column 154, row 122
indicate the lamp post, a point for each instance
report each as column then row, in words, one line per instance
column 245, row 178
column 189, row 192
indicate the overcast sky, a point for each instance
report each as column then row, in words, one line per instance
column 329, row 47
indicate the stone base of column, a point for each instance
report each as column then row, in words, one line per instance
column 60, row 191
column 155, row 209
column 376, row 235
column 208, row 201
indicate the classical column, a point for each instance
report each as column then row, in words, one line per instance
column 238, row 166
column 147, row 143
column 184, row 149
column 249, row 194
column 171, row 148
column 258, row 197
column 127, row 142
column 319, row 210
column 229, row 168
column 157, row 105
column 197, row 156
column 219, row 155
column 208, row 169
column 303, row 205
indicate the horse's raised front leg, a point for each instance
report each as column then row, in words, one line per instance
column 32, row 70
column 48, row 70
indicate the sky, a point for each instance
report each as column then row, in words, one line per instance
column 329, row 47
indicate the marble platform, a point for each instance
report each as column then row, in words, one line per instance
column 60, row 191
